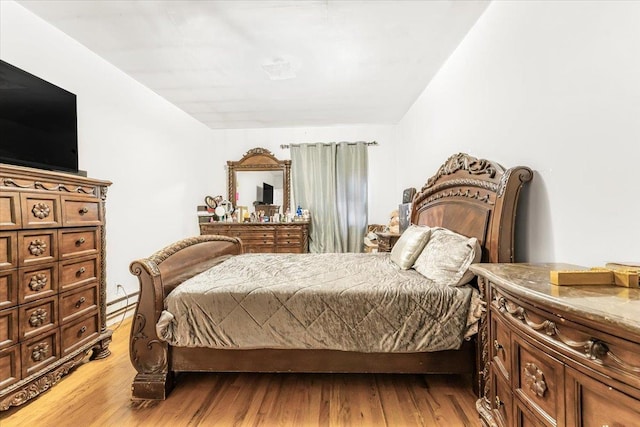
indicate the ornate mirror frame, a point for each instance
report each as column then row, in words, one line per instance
column 259, row 159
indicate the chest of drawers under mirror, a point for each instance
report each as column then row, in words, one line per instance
column 264, row 237
column 557, row 355
column 52, row 278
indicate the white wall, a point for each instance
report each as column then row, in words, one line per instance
column 232, row 144
column 554, row 86
column 155, row 155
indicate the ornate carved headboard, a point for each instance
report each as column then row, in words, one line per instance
column 476, row 198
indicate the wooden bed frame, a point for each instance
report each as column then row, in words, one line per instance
column 475, row 197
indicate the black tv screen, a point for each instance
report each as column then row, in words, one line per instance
column 267, row 193
column 38, row 122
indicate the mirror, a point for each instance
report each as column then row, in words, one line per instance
column 259, row 181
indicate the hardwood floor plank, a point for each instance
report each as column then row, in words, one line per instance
column 98, row 393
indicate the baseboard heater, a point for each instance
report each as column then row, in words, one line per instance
column 131, row 301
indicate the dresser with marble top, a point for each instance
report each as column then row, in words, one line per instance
column 557, row 355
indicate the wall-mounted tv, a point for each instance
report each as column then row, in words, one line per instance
column 38, row 122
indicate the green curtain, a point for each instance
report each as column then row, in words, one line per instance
column 331, row 181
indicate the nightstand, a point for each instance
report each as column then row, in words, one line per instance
column 386, row 241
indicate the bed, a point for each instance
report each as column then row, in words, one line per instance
column 473, row 197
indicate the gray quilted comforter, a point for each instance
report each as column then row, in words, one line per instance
column 350, row 302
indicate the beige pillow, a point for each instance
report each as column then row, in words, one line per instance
column 409, row 245
column 447, row 256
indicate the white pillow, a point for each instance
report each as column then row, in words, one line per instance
column 447, row 256
column 410, row 245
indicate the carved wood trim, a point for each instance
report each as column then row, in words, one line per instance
column 463, row 161
column 593, row 348
column 23, row 391
column 534, row 379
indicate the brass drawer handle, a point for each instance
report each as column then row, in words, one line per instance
column 497, row 345
column 82, row 330
column 84, row 210
column 80, row 302
column 499, row 402
column 80, row 241
column 82, row 271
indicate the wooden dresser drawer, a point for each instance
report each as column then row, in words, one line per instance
column 76, row 242
column 8, row 250
column 78, row 332
column 589, row 402
column 538, row 380
column 8, row 288
column 37, row 282
column 10, row 218
column 80, row 212
column 500, row 349
column 502, row 402
column 525, row 418
column 40, row 210
column 38, row 317
column 79, row 302
column 9, row 334
column 40, row 351
column 289, row 233
column 258, row 249
column 74, row 273
column 255, row 240
column 37, row 247
column 10, row 371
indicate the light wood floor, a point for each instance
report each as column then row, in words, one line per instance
column 98, row 393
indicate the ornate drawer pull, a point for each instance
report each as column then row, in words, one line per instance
column 81, row 271
column 534, row 379
column 80, row 241
column 37, row 247
column 82, row 330
column 499, row 402
column 80, row 302
column 38, row 281
column 84, row 210
column 38, row 317
column 41, row 210
column 39, row 352
column 497, row 345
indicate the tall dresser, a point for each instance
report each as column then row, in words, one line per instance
column 558, row 355
column 52, row 278
column 264, row 237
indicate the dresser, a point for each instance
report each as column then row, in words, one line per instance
column 557, row 355
column 264, row 237
column 52, row 278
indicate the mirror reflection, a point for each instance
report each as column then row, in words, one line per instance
column 255, row 188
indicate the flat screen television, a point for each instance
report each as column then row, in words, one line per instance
column 38, row 122
column 267, row 193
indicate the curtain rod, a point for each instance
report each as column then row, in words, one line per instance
column 285, row 146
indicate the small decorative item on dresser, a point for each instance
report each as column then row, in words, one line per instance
column 386, row 241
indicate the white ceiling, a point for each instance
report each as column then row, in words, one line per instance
column 331, row 62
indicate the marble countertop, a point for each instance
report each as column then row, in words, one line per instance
column 614, row 306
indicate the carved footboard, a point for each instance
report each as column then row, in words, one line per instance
column 158, row 275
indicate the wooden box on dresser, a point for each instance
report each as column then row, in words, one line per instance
column 264, row 237
column 558, row 355
column 52, row 278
